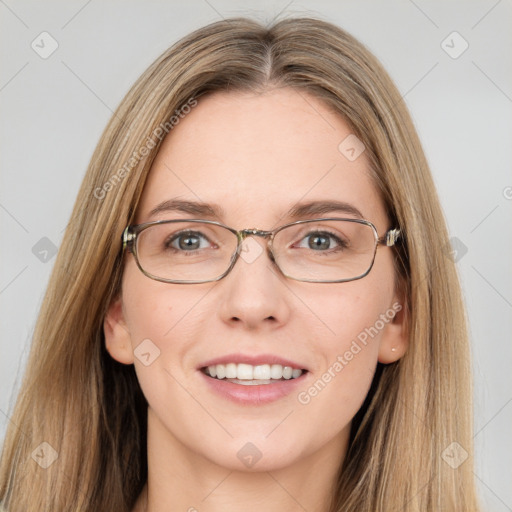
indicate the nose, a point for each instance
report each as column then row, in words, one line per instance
column 254, row 294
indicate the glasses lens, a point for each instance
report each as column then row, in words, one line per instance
column 185, row 251
column 321, row 250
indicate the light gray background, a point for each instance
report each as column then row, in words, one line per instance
column 53, row 111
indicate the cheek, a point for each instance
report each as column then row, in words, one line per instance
column 354, row 318
column 332, row 396
column 153, row 309
column 349, row 315
column 155, row 314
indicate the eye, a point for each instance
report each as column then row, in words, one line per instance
column 188, row 241
column 321, row 241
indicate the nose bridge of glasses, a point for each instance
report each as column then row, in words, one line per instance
column 244, row 233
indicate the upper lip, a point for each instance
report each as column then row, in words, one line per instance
column 254, row 360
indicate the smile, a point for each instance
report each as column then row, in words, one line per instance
column 249, row 375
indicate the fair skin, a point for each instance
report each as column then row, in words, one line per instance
column 256, row 155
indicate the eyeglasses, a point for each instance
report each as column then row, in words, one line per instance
column 325, row 250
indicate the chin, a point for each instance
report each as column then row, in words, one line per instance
column 258, row 455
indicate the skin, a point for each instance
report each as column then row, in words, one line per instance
column 257, row 155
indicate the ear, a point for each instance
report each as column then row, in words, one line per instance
column 117, row 336
column 395, row 337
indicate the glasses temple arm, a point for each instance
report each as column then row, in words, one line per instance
column 391, row 237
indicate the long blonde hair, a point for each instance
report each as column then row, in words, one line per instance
column 90, row 409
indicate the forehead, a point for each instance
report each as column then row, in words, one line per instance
column 258, row 155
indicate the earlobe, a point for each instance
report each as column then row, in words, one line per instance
column 395, row 338
column 117, row 336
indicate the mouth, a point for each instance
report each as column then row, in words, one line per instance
column 252, row 375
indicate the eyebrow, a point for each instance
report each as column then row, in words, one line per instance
column 191, row 207
column 300, row 210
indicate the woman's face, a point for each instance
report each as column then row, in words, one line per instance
column 253, row 157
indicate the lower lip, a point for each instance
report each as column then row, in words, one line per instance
column 254, row 395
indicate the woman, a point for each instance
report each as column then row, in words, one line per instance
column 252, row 306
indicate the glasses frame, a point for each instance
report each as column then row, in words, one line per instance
column 130, row 234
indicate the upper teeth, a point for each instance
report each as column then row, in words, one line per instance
column 248, row 372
